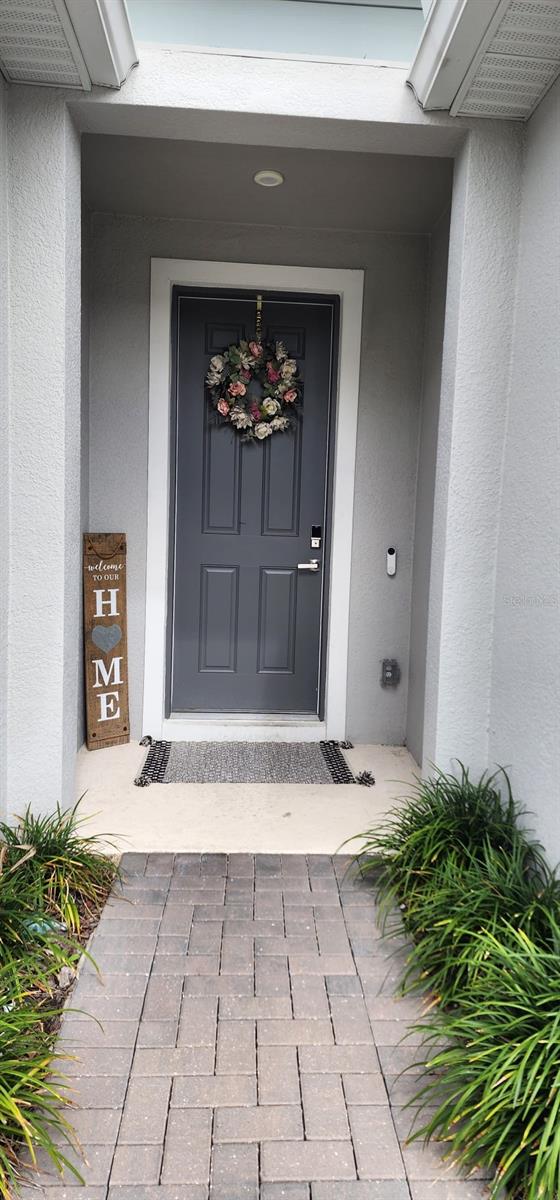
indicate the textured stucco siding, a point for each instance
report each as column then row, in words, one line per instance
column 395, row 267
column 472, row 420
column 525, row 707
column 427, row 456
column 44, row 432
column 4, row 445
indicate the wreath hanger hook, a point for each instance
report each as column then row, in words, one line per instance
column 258, row 319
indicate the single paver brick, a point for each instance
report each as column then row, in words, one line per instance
column 145, row 1112
column 172, row 943
column 113, row 1008
column 267, row 1123
column 236, row 1053
column 107, row 984
column 197, row 1026
column 163, row 998
column 271, row 976
column 377, row 1150
column 98, row 1061
column 285, row 1191
column 136, row 1164
column 239, row 1008
column 309, row 996
column 322, row 964
column 172, row 1191
column 123, row 910
column 186, row 1154
column 221, row 912
column 206, row 938
column 307, row 1160
column 324, row 1107
column 77, row 1033
column 448, row 1189
column 358, row 1060
column 222, row 985
column 343, row 985
column 395, row 1059
column 98, row 1091
column 235, row 1164
column 179, row 1060
column 362, row 1189
column 124, row 927
column 278, row 1076
column 157, row 1033
column 96, row 1126
column 365, row 1089
column 214, row 1091
column 295, row 1033
column 92, row 1161
column 392, row 1033
column 237, row 956
column 350, row 1020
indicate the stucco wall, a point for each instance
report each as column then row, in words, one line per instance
column 525, row 699
column 4, row 547
column 44, row 430
column 427, row 454
column 120, row 251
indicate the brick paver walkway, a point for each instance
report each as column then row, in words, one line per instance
column 248, row 1044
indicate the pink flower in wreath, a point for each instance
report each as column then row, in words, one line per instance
column 273, row 376
column 246, row 375
column 237, row 389
column 255, row 412
column 223, row 408
column 256, row 349
column 290, row 396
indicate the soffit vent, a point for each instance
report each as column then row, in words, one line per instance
column 516, row 64
column 38, row 45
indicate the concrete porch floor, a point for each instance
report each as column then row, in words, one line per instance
column 235, row 818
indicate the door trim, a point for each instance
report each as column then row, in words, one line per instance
column 348, row 285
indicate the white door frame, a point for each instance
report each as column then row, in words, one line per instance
column 165, row 272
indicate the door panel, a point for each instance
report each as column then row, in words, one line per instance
column 245, row 623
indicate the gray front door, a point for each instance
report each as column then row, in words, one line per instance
column 246, row 623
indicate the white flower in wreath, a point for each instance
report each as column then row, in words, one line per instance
column 262, row 430
column 240, row 418
column 271, row 407
column 288, row 368
column 213, row 378
column 281, row 352
column 279, row 424
column 217, row 363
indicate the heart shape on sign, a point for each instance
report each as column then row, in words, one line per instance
column 106, row 636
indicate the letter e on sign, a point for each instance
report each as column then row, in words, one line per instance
column 105, row 646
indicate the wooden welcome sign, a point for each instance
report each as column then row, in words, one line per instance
column 106, row 665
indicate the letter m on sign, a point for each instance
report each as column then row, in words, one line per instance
column 105, row 640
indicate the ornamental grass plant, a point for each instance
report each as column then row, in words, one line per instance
column 496, row 1087
column 66, row 868
column 473, row 891
column 53, row 884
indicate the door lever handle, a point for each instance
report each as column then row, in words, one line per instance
column 312, row 565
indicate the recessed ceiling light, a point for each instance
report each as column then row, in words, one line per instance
column 268, row 178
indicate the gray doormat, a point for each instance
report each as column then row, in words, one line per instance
column 248, row 762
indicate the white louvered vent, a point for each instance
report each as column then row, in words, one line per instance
column 517, row 62
column 38, row 45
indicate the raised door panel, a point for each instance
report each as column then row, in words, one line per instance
column 277, row 620
column 217, row 639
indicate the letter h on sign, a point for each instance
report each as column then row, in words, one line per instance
column 106, row 663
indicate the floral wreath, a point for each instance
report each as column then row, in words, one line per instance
column 270, row 407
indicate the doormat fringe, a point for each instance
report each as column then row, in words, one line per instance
column 248, row 762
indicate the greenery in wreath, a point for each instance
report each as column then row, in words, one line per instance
column 254, row 386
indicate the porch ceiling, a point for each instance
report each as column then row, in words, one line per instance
column 211, row 181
